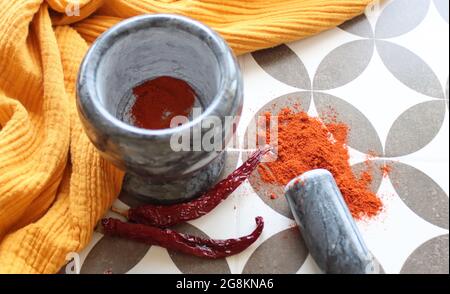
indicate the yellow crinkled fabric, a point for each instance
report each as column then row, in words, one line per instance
column 54, row 187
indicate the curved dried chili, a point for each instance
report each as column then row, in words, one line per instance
column 168, row 215
column 180, row 242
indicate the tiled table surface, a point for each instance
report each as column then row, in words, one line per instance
column 386, row 75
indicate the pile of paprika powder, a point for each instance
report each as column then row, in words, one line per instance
column 304, row 144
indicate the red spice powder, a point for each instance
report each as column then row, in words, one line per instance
column 273, row 196
column 304, row 144
column 371, row 154
column 159, row 100
column 386, row 170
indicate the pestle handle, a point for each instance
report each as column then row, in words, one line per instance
column 326, row 224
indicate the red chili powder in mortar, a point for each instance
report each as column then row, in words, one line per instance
column 304, row 144
column 159, row 100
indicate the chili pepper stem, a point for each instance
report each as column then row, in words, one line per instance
column 123, row 213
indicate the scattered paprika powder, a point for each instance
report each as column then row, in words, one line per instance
column 386, row 170
column 304, row 143
column 159, row 100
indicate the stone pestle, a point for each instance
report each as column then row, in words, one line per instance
column 327, row 226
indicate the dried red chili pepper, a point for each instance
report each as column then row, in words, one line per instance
column 184, row 243
column 168, row 215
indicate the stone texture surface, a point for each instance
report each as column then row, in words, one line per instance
column 327, row 226
column 142, row 48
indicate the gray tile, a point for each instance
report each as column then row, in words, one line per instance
column 113, row 255
column 284, row 65
column 442, row 7
column 362, row 135
column 415, row 128
column 359, row 26
column 446, row 90
column 409, row 69
column 374, row 167
column 430, row 258
column 400, row 17
column 283, row 253
column 267, row 192
column 343, row 64
column 446, row 93
column 420, row 193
